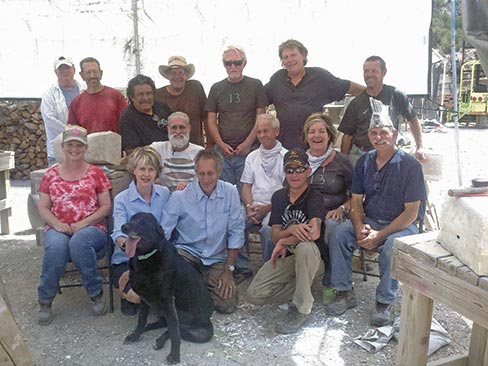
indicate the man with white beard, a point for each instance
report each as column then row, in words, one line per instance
column 178, row 153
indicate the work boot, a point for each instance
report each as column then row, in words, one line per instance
column 45, row 315
column 329, row 295
column 293, row 321
column 99, row 307
column 344, row 300
column 382, row 314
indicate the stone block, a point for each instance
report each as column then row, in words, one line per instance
column 464, row 231
column 103, row 148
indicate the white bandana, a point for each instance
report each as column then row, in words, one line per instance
column 316, row 161
column 271, row 158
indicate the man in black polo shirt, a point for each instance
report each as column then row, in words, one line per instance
column 144, row 121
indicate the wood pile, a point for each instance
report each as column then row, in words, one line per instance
column 22, row 131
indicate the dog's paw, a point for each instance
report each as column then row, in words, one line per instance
column 172, row 359
column 132, row 338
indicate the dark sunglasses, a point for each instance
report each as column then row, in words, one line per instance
column 162, row 123
column 236, row 63
column 299, row 170
column 377, row 181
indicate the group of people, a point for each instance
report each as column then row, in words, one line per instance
column 211, row 169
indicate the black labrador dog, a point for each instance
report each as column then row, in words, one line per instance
column 168, row 284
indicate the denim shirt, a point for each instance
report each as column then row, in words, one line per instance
column 205, row 226
column 130, row 202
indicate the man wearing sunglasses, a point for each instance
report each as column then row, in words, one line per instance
column 387, row 194
column 295, row 221
column 232, row 106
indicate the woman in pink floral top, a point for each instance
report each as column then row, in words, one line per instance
column 74, row 201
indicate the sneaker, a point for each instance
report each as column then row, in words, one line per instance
column 382, row 314
column 45, row 315
column 344, row 300
column 293, row 321
column 329, row 295
column 241, row 274
column 99, row 307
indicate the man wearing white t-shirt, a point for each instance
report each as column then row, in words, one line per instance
column 262, row 176
column 178, row 153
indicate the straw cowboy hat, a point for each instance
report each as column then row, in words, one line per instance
column 175, row 62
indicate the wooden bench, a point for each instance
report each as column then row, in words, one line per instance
column 430, row 273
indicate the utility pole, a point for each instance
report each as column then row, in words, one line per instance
column 135, row 19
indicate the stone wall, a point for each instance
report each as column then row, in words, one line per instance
column 22, row 131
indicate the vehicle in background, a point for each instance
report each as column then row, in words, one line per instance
column 473, row 95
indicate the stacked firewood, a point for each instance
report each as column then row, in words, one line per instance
column 22, row 131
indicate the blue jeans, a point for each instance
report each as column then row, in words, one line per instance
column 232, row 169
column 342, row 244
column 330, row 224
column 84, row 248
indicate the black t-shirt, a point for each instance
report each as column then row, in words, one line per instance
column 140, row 129
column 306, row 207
column 357, row 116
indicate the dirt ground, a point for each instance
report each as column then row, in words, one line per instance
column 245, row 337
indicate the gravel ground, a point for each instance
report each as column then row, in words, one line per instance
column 243, row 338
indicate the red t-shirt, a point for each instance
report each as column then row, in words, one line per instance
column 97, row 112
column 72, row 201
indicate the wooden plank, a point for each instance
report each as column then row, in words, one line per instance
column 451, row 361
column 429, row 252
column 394, row 256
column 483, row 282
column 478, row 348
column 468, row 300
column 450, row 264
column 405, row 242
column 4, row 225
column 415, row 322
column 468, row 275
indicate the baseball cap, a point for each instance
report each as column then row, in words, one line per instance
column 75, row 133
column 297, row 157
column 61, row 60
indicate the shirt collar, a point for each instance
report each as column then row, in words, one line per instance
column 218, row 192
column 135, row 195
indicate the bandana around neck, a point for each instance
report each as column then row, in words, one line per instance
column 316, row 161
column 271, row 158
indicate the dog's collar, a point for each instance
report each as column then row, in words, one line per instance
column 146, row 256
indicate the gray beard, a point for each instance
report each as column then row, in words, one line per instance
column 177, row 143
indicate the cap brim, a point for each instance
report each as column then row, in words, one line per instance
column 74, row 138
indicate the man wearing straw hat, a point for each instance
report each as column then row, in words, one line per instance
column 184, row 95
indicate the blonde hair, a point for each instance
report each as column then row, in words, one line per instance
column 319, row 117
column 148, row 156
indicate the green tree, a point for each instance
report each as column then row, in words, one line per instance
column 441, row 26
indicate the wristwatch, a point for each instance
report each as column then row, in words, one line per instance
column 231, row 267
column 344, row 209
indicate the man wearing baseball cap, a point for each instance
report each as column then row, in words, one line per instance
column 388, row 190
column 184, row 95
column 56, row 100
column 296, row 219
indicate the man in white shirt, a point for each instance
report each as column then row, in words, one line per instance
column 177, row 154
column 56, row 100
column 262, row 176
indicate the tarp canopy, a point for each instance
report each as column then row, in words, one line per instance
column 339, row 35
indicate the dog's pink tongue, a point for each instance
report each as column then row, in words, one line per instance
column 131, row 246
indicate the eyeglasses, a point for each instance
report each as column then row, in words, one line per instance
column 235, row 63
column 298, row 170
column 377, row 181
column 162, row 123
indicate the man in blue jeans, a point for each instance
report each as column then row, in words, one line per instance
column 387, row 193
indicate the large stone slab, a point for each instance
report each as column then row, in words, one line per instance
column 464, row 231
column 103, row 148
